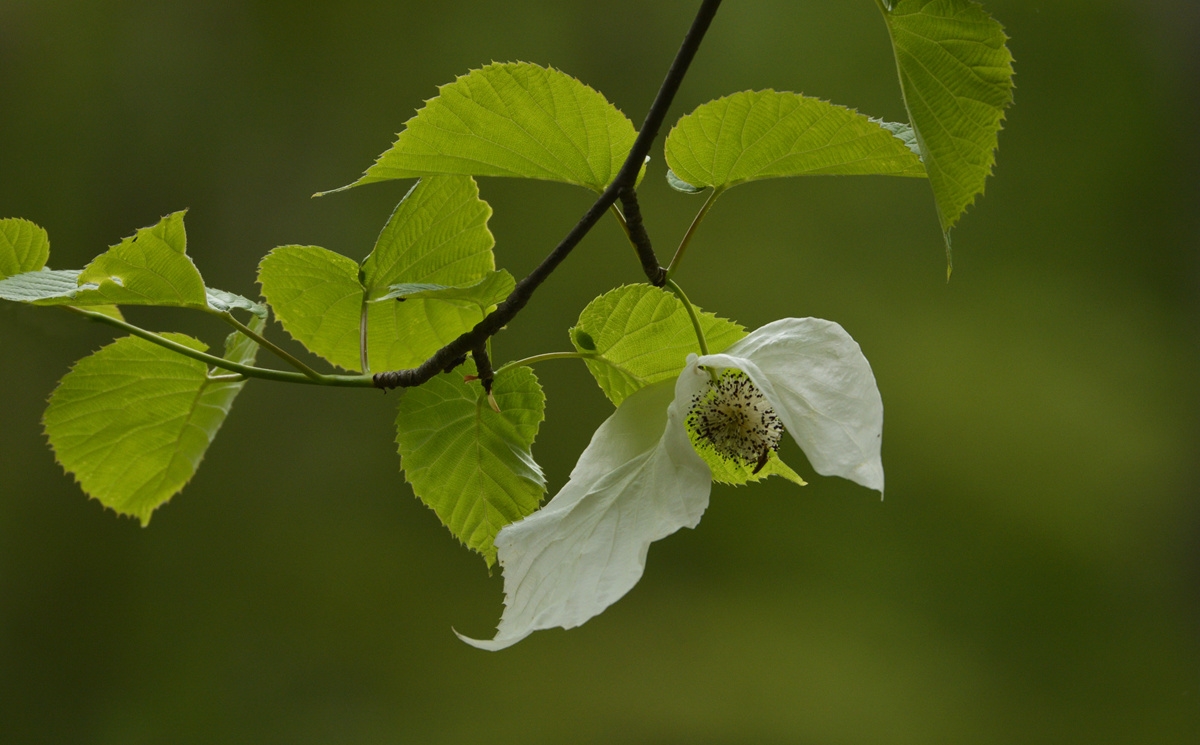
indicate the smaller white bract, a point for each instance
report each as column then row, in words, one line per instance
column 640, row 479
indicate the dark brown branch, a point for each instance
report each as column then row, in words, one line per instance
column 640, row 239
column 627, row 177
column 453, row 363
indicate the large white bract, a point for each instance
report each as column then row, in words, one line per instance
column 640, row 479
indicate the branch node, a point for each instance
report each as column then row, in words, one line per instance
column 486, row 376
column 483, row 366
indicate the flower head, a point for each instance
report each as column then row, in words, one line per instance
column 641, row 478
column 734, row 420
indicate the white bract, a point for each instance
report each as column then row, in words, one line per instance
column 640, row 479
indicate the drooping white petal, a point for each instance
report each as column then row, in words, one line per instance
column 821, row 386
column 638, row 481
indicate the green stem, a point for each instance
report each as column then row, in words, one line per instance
column 687, row 237
column 270, row 346
column 363, row 359
column 624, row 224
column 675, row 288
column 227, row 378
column 249, row 371
column 621, row 219
column 544, row 357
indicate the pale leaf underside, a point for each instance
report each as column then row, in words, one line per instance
column 485, row 293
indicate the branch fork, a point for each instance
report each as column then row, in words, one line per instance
column 622, row 187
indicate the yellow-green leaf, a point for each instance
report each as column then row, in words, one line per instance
column 150, row 267
column 639, row 334
column 24, row 247
column 318, row 299
column 469, row 464
column 769, row 134
column 133, row 420
column 512, row 119
column 956, row 76
column 437, row 235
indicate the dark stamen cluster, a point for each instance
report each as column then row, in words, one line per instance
column 734, row 419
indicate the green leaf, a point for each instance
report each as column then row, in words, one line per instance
column 512, row 119
column 641, row 335
column 437, row 235
column 403, row 335
column 470, row 464
column 150, row 267
column 485, row 293
column 956, row 76
column 318, row 299
column 767, row 134
column 24, row 247
column 133, row 420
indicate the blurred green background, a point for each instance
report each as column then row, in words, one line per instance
column 1032, row 576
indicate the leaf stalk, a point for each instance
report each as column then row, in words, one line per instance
column 249, row 371
column 546, row 356
column 687, row 237
column 687, row 304
column 270, row 346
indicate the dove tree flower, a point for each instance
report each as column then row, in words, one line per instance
column 643, row 476
column 133, row 421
